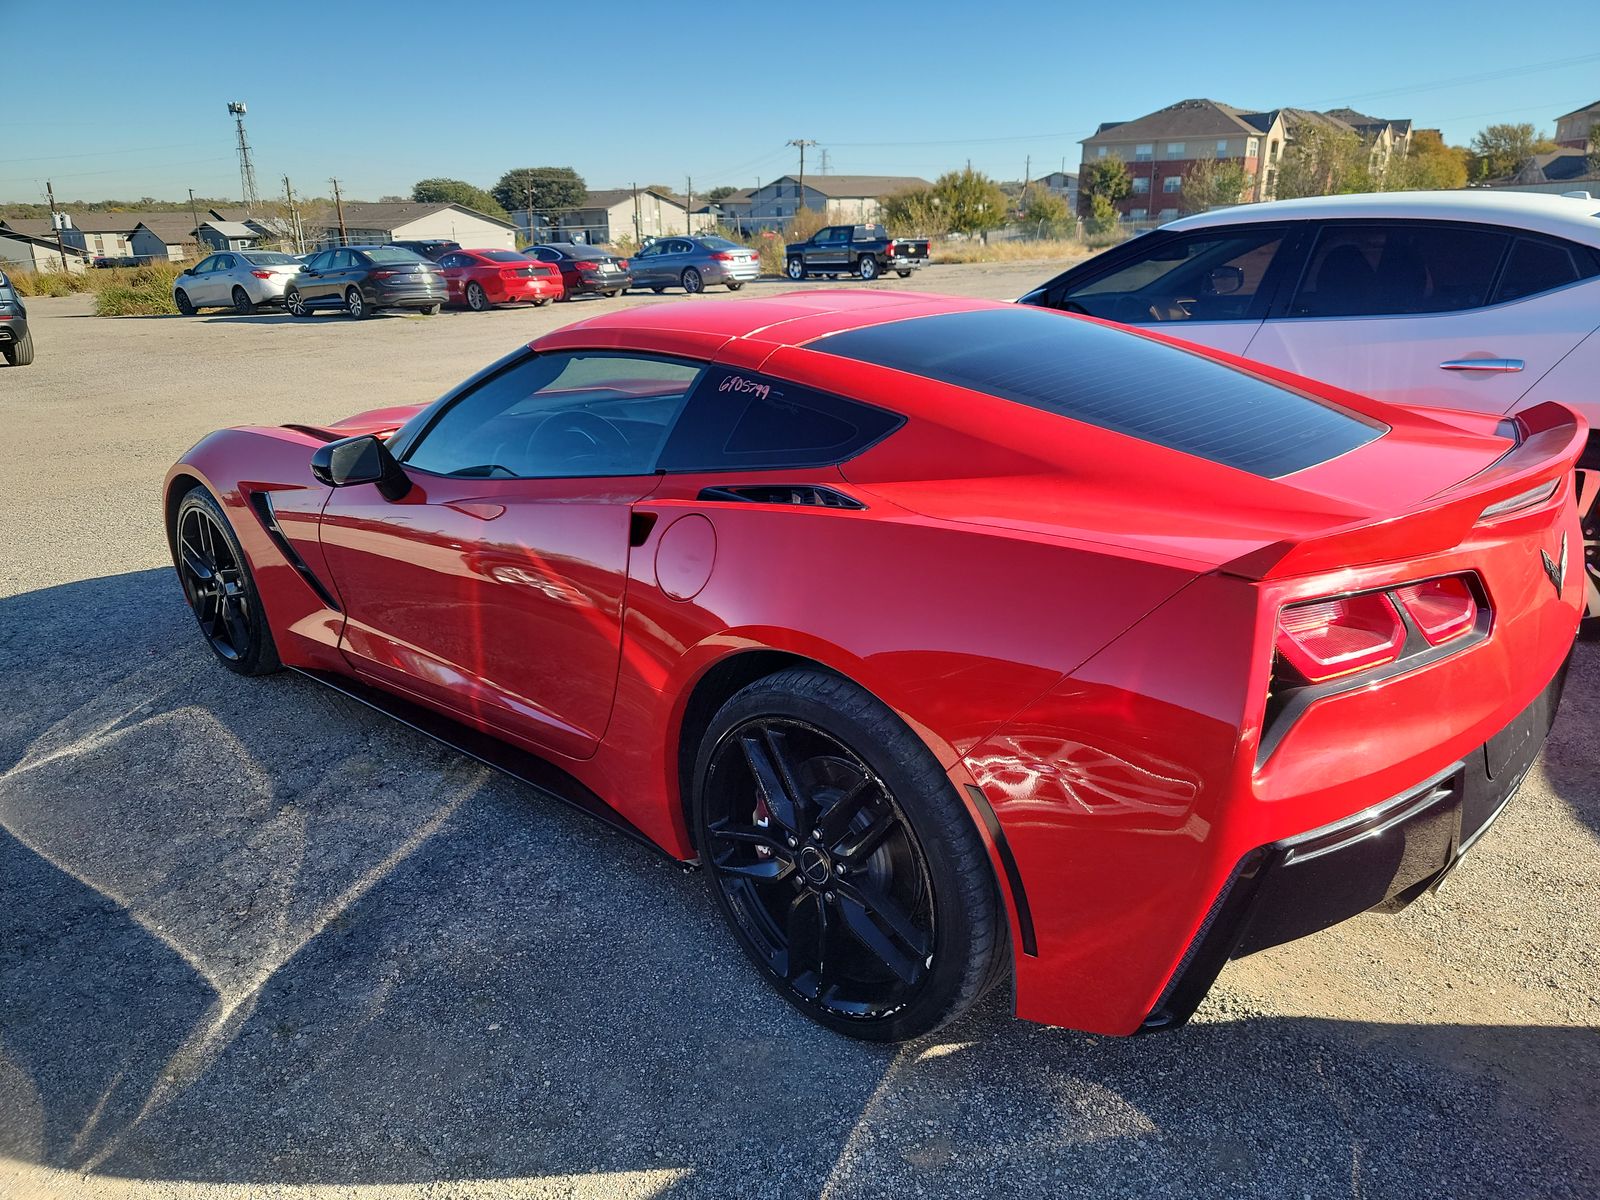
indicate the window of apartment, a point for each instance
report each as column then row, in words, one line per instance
column 1168, row 214
column 1144, row 153
column 1222, row 147
column 1175, row 149
column 1274, row 148
column 1172, row 183
column 1099, row 151
column 1141, row 185
column 1138, row 214
column 1252, row 147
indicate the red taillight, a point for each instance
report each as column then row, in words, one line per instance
column 511, row 273
column 723, row 256
column 1327, row 639
column 262, row 274
column 1443, row 609
column 588, row 266
column 622, row 264
column 384, row 274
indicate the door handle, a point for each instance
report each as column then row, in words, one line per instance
column 1481, row 364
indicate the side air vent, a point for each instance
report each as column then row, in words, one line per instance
column 322, row 435
column 801, row 495
column 261, row 505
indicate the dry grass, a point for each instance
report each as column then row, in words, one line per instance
column 118, row 291
column 946, row 250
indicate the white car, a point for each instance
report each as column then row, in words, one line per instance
column 1483, row 301
column 236, row 279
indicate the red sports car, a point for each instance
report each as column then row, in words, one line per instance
column 955, row 640
column 481, row 279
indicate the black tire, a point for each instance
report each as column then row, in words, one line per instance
column 658, row 288
column 735, row 285
column 795, row 268
column 296, row 303
column 201, row 533
column 477, row 298
column 432, row 310
column 185, row 306
column 242, row 304
column 611, row 295
column 903, row 274
column 693, row 282
column 1589, row 517
column 906, row 858
column 355, row 304
column 20, row 352
column 867, row 267
column 541, row 301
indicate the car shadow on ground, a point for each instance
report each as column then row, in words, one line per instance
column 252, row 932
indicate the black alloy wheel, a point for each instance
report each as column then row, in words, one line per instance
column 242, row 304
column 219, row 588
column 806, row 783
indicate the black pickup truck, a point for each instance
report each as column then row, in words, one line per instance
column 864, row 250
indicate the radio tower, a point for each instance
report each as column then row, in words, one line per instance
column 247, row 170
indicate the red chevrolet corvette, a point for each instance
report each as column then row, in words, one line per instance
column 955, row 640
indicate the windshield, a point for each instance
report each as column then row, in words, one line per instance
column 269, row 258
column 392, row 254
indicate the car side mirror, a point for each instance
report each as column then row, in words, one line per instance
column 188, row 270
column 363, row 459
column 1224, row 281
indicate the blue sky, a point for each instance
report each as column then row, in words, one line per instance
column 382, row 94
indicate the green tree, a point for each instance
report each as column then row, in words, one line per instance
column 970, row 201
column 1323, row 161
column 549, row 191
column 1429, row 165
column 1498, row 150
column 1103, row 215
column 1106, row 178
column 913, row 213
column 456, row 191
column 720, row 193
column 1213, row 183
column 1045, row 212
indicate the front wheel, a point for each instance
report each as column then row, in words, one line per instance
column 296, row 303
column 355, row 303
column 219, row 587
column 431, row 310
column 843, row 860
column 903, row 274
column 735, row 285
column 20, row 352
column 185, row 305
column 867, row 268
column 795, row 268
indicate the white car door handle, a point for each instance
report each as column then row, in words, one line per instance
column 1481, row 364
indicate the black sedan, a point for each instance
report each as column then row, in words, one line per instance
column 16, row 343
column 591, row 269
column 362, row 279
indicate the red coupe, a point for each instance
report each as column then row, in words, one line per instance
column 957, row 641
column 481, row 279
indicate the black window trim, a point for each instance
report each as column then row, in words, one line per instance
column 519, row 359
column 1314, row 228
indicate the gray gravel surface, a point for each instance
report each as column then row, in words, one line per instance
column 257, row 941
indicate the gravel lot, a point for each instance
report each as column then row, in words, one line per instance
column 257, row 941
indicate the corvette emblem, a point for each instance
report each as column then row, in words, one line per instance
column 1556, row 568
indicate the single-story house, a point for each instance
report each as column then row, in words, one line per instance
column 611, row 214
column 407, row 222
column 1555, row 171
column 166, row 237
column 268, row 229
column 97, row 234
column 1063, row 184
column 37, row 252
column 227, row 235
column 846, row 199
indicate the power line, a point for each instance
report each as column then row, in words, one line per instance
column 1462, row 80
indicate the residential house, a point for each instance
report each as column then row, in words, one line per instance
column 1558, row 171
column 845, row 199
column 168, row 237
column 406, row 221
column 268, row 229
column 98, row 234
column 1573, row 128
column 1160, row 147
column 227, row 235
column 29, row 251
column 1063, row 184
column 610, row 214
column 732, row 211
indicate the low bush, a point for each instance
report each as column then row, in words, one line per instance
column 138, row 292
column 48, row 283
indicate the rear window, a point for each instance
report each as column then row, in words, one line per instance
column 269, row 258
column 719, row 243
column 1538, row 266
column 392, row 254
column 1118, row 381
column 503, row 256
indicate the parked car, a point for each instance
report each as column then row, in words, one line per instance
column 432, row 249
column 864, row 250
column 694, row 264
column 951, row 641
column 238, row 279
column 1484, row 301
column 480, row 279
column 16, row 341
column 363, row 279
column 585, row 270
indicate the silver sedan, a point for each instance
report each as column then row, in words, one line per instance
column 694, row 264
column 236, row 279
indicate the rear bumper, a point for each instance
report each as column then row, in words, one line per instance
column 512, row 291
column 13, row 331
column 736, row 273
column 1379, row 859
column 411, row 297
column 601, row 283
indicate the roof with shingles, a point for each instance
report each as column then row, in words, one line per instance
column 392, row 215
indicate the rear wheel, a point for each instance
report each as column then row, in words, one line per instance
column 1589, row 516
column 843, row 860
column 20, row 352
column 431, row 310
column 867, row 267
column 477, row 298
column 355, row 304
column 242, row 304
column 903, row 274
column 219, row 587
column 795, row 268
column 185, row 305
column 735, row 285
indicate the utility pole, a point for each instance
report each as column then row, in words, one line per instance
column 527, row 205
column 194, row 215
column 338, row 207
column 802, row 143
column 688, row 207
column 55, row 221
column 638, row 233
column 294, row 219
